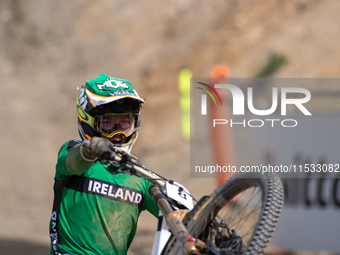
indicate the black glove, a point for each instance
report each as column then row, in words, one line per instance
column 100, row 148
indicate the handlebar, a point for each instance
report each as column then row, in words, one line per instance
column 130, row 162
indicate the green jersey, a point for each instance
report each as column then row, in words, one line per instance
column 96, row 208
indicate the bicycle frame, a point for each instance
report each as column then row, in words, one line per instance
column 161, row 191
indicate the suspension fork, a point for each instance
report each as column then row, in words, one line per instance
column 174, row 221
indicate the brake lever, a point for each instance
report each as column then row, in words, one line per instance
column 129, row 162
column 125, row 161
column 122, row 157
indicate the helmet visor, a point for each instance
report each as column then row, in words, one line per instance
column 111, row 124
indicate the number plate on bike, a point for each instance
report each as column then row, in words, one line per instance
column 180, row 194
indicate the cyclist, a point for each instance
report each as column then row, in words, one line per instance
column 96, row 204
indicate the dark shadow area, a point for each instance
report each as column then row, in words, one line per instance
column 13, row 247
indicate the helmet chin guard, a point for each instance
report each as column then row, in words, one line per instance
column 128, row 145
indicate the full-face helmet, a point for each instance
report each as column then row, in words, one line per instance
column 108, row 106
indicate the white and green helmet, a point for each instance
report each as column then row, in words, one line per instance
column 106, row 99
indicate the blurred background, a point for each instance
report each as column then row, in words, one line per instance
column 49, row 48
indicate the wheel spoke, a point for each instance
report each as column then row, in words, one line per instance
column 238, row 217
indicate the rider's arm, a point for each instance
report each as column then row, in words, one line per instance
column 73, row 159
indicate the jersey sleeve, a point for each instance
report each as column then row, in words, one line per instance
column 149, row 202
column 69, row 153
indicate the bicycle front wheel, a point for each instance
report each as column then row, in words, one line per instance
column 238, row 218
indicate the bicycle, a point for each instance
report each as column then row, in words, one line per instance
column 239, row 217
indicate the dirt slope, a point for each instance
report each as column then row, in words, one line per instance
column 48, row 48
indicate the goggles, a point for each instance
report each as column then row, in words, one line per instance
column 111, row 124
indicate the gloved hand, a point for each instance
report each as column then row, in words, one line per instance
column 100, row 148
